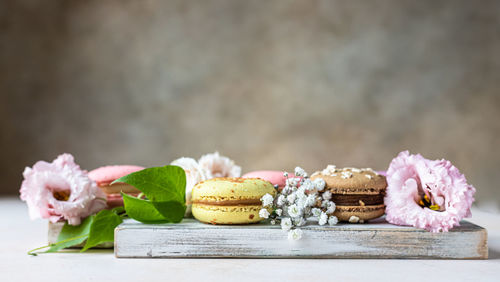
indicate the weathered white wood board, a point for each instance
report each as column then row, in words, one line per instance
column 376, row 239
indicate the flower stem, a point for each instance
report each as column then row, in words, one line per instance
column 32, row 252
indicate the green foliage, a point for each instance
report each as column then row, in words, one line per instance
column 142, row 210
column 102, row 229
column 72, row 235
column 164, row 188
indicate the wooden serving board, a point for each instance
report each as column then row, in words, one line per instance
column 376, row 239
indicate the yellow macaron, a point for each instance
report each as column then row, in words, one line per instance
column 230, row 200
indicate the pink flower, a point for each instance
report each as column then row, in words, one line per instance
column 216, row 165
column 60, row 190
column 194, row 174
column 432, row 195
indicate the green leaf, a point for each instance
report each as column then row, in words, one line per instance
column 102, row 229
column 159, row 184
column 165, row 189
column 72, row 235
column 171, row 210
column 118, row 210
column 142, row 210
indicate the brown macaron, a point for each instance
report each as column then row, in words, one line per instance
column 357, row 193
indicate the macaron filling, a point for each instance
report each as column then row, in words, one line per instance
column 246, row 202
column 357, row 200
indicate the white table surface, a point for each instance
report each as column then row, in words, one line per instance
column 19, row 234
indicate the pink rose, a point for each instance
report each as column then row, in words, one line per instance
column 432, row 195
column 60, row 190
column 193, row 174
column 216, row 165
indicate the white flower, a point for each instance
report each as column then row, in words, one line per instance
column 299, row 221
column 285, row 174
column 279, row 212
column 327, row 195
column 330, row 208
column 295, row 234
column 264, row 213
column 301, row 195
column 267, row 200
column 273, row 221
column 311, row 199
column 301, row 201
column 292, row 182
column 294, row 211
column 301, row 191
column 286, row 224
column 216, row 165
column 316, row 212
column 319, row 183
column 325, row 204
column 323, row 218
column 281, row 200
column 307, row 184
column 332, row 220
column 286, row 190
column 194, row 174
column 300, row 172
column 291, row 198
column 296, row 203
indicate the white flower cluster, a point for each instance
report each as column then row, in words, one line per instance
column 299, row 201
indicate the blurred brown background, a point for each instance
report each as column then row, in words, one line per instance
column 272, row 84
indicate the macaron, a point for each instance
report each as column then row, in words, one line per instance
column 230, row 200
column 276, row 177
column 105, row 175
column 357, row 193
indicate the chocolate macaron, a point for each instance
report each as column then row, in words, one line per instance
column 357, row 193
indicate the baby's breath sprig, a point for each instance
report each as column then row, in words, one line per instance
column 298, row 202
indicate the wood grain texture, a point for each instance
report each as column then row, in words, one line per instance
column 377, row 239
